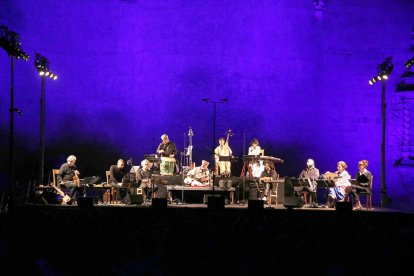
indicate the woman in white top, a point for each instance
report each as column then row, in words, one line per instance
column 342, row 184
column 256, row 167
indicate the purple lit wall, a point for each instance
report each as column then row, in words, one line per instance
column 130, row 71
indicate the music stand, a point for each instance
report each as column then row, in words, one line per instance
column 325, row 183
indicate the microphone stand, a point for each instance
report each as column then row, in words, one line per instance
column 214, row 102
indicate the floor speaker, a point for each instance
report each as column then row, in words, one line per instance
column 292, row 202
column 161, row 191
column 135, row 199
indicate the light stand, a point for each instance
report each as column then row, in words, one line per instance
column 214, row 102
column 10, row 42
column 42, row 65
column 384, row 70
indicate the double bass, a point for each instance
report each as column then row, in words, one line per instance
column 226, row 144
column 190, row 148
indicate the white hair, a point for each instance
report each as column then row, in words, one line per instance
column 164, row 136
column 71, row 157
column 144, row 162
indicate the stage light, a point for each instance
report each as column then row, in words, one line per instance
column 10, row 41
column 409, row 63
column 384, row 70
column 42, row 65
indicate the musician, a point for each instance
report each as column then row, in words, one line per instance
column 199, row 176
column 311, row 174
column 116, row 174
column 145, row 181
column 223, row 150
column 254, row 148
column 363, row 182
column 269, row 173
column 166, row 148
column 67, row 173
column 342, row 184
column 255, row 167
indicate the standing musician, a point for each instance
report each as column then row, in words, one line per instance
column 116, row 174
column 223, row 167
column 311, row 174
column 68, row 176
column 199, row 176
column 256, row 167
column 166, row 148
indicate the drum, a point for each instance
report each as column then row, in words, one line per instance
column 167, row 166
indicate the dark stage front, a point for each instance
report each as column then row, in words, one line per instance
column 152, row 241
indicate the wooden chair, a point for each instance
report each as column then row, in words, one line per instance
column 368, row 195
column 55, row 173
column 273, row 192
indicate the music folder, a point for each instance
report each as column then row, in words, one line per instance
column 362, row 179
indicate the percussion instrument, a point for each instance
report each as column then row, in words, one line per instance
column 167, row 166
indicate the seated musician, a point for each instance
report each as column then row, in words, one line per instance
column 116, row 175
column 223, row 149
column 144, row 179
column 199, row 176
column 311, row 174
column 146, row 182
column 255, row 167
column 68, row 176
column 363, row 182
column 269, row 173
column 342, row 184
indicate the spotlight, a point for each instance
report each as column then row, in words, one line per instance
column 384, row 70
column 409, row 63
column 43, row 67
column 10, row 41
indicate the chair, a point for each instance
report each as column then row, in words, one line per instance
column 55, row 173
column 305, row 198
column 273, row 192
column 368, row 194
column 261, row 152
